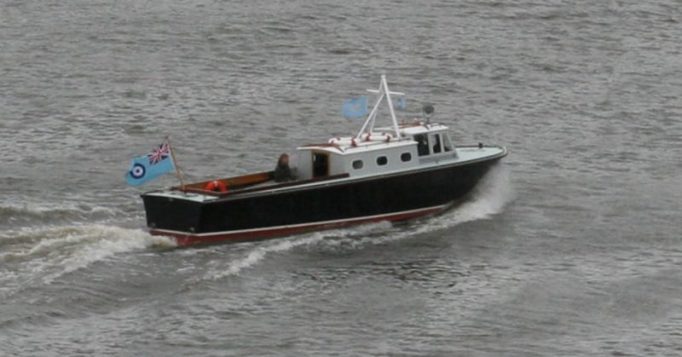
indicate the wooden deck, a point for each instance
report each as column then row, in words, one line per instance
column 249, row 183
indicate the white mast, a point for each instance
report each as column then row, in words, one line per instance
column 383, row 92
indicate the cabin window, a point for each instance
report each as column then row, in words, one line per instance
column 357, row 164
column 406, row 156
column 436, row 144
column 382, row 160
column 422, row 144
column 320, row 164
column 447, row 146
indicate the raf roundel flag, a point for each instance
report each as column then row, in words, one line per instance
column 355, row 107
column 148, row 167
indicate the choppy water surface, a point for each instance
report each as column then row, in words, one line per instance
column 571, row 247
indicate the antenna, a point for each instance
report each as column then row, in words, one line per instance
column 428, row 110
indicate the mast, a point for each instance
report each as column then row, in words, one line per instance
column 384, row 93
column 390, row 106
column 178, row 173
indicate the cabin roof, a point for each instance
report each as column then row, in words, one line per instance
column 380, row 139
column 420, row 128
column 345, row 147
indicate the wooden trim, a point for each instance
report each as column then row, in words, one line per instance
column 232, row 183
column 198, row 187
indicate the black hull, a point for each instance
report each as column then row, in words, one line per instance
column 253, row 216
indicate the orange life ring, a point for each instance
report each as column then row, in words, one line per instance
column 216, row 186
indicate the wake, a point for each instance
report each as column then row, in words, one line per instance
column 36, row 256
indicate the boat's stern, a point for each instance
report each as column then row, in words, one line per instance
column 173, row 213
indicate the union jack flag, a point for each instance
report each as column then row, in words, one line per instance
column 159, row 154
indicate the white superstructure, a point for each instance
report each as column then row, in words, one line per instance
column 401, row 146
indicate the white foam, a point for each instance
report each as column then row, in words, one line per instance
column 101, row 242
column 489, row 198
column 257, row 254
column 49, row 253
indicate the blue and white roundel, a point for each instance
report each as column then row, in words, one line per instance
column 138, row 171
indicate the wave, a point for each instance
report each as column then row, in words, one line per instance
column 255, row 255
column 40, row 255
column 43, row 213
column 490, row 197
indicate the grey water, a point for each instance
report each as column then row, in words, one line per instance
column 572, row 246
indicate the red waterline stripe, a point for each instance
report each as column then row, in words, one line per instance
column 186, row 239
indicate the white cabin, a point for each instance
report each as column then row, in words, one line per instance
column 378, row 150
column 377, row 153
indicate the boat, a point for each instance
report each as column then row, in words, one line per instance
column 406, row 170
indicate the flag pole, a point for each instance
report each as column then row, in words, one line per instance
column 178, row 173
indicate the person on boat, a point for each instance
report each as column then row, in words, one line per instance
column 283, row 171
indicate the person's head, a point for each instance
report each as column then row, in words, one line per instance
column 283, row 159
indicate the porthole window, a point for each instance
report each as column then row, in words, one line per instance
column 406, row 156
column 382, row 160
column 357, row 164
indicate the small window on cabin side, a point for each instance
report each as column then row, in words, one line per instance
column 406, row 156
column 382, row 160
column 436, row 146
column 447, row 146
column 357, row 164
column 422, row 144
